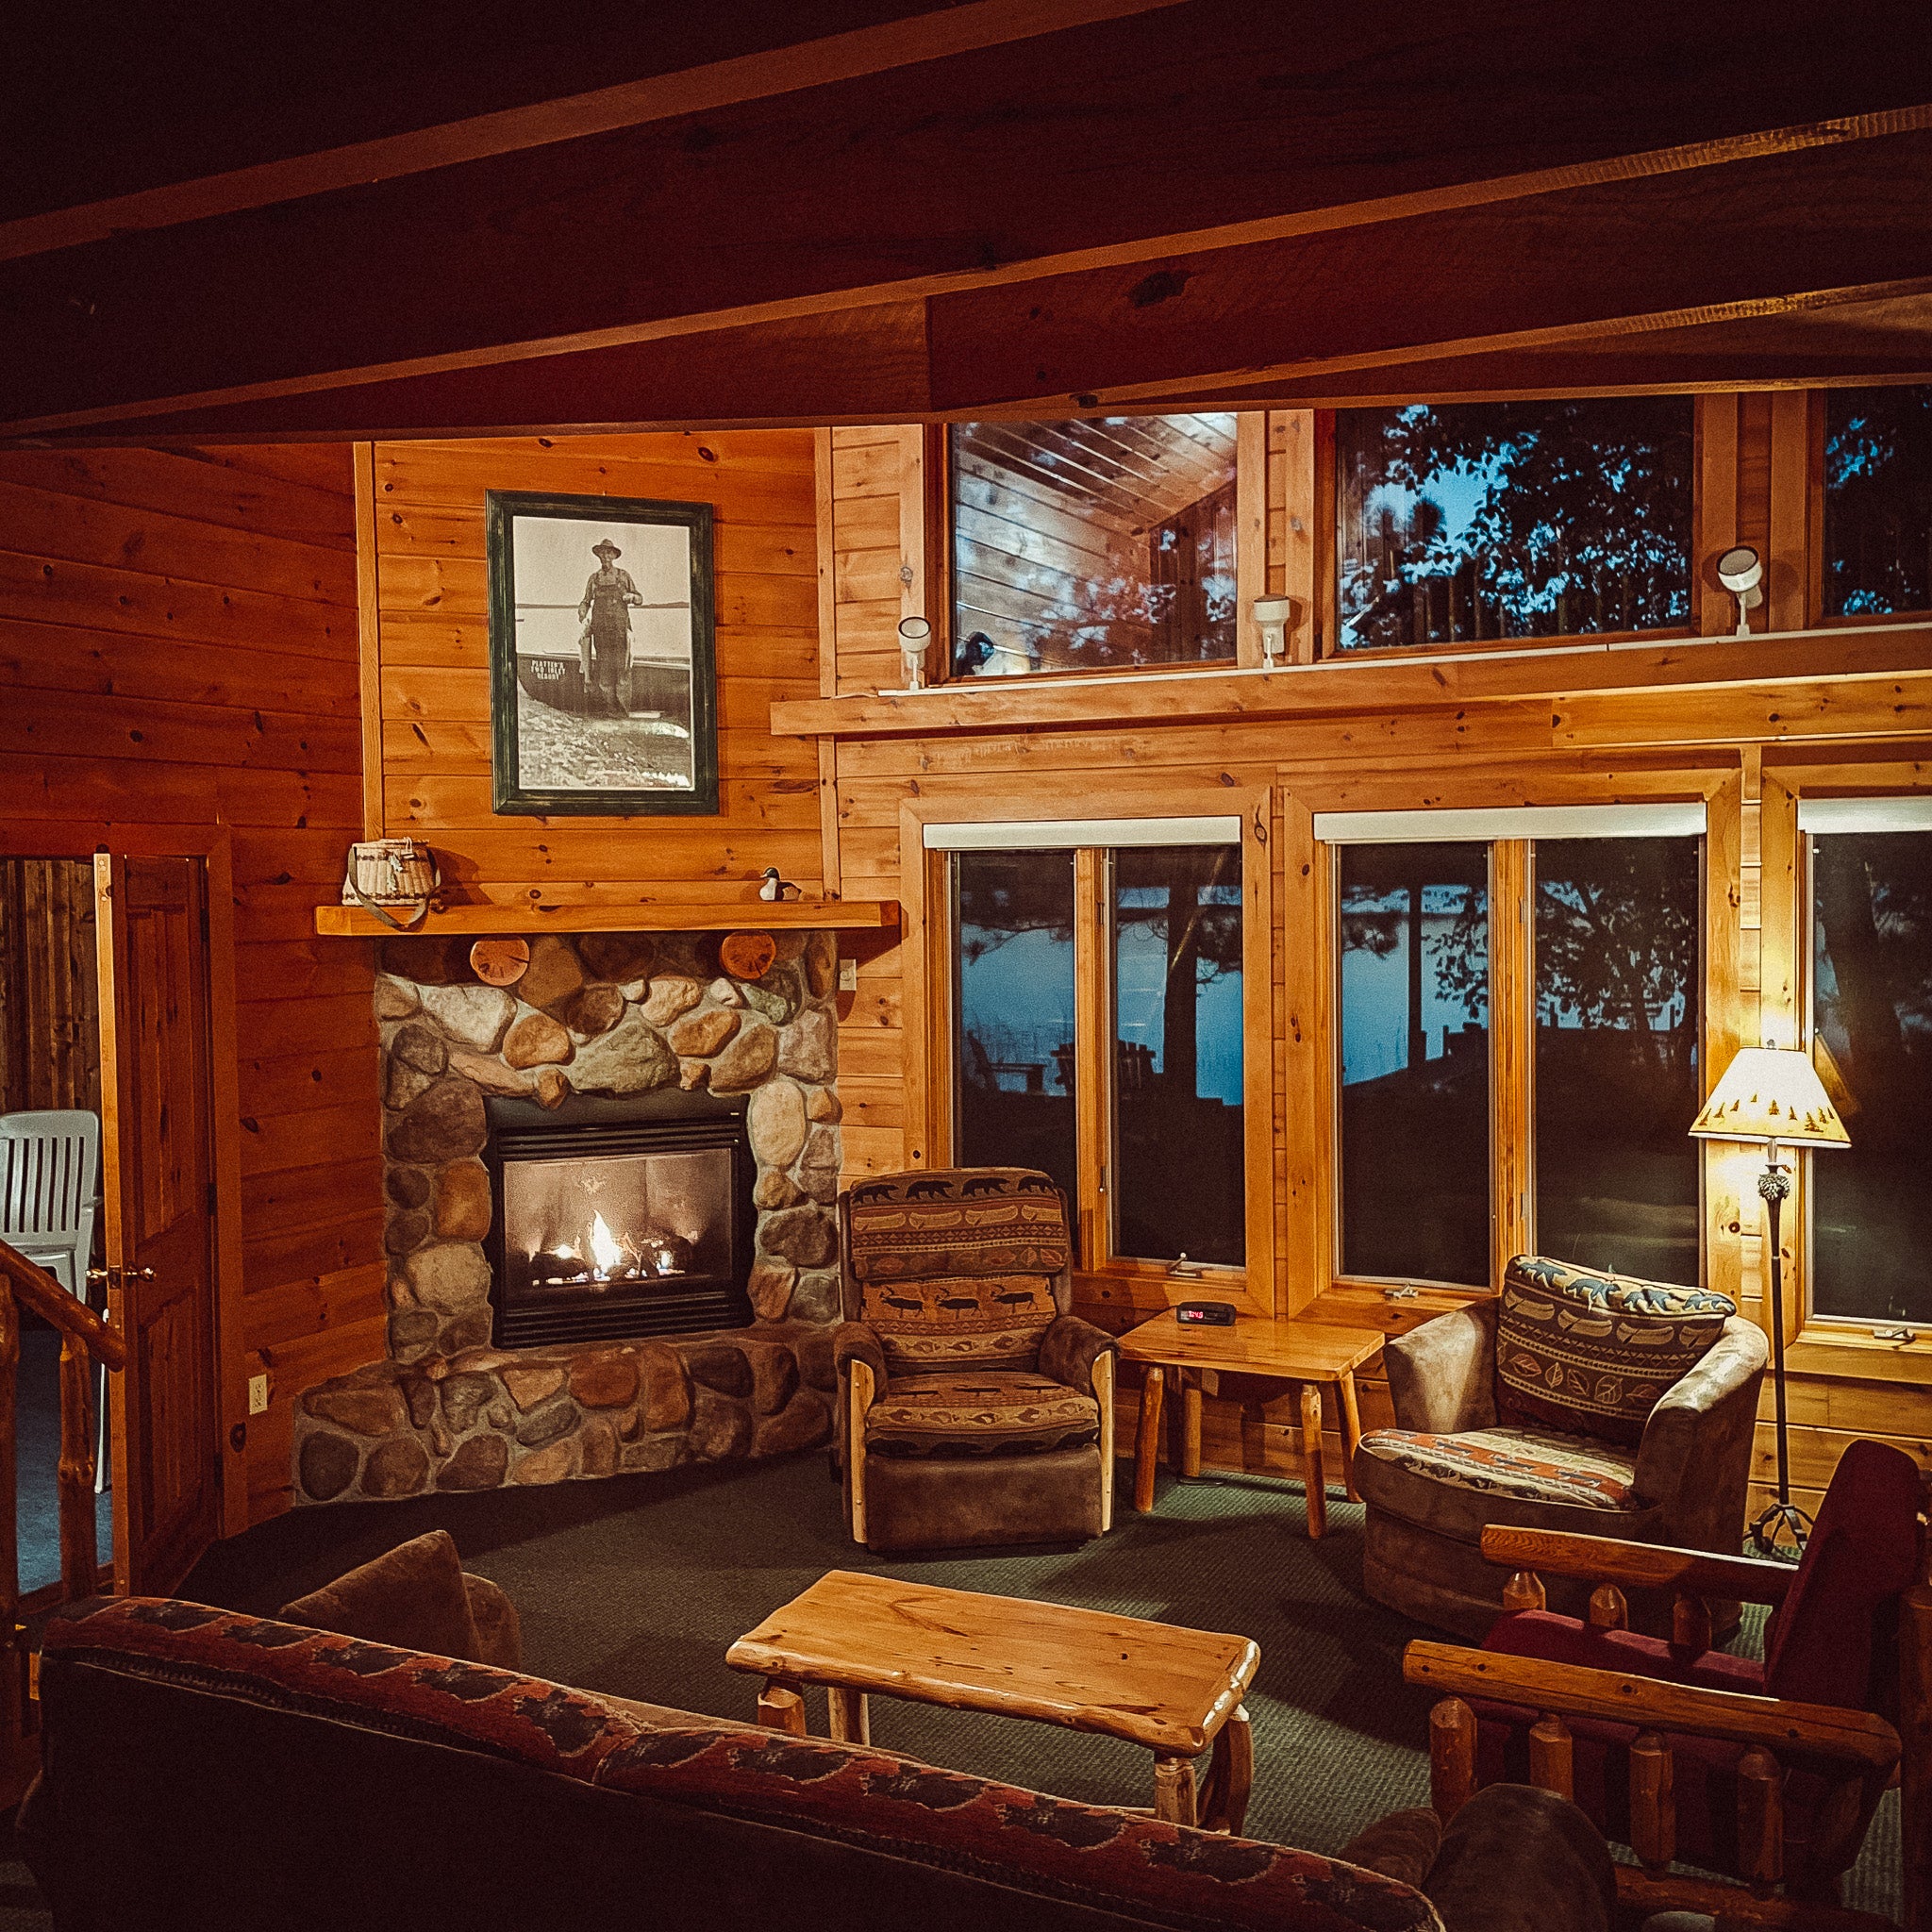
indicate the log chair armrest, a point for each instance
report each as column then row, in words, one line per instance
column 1636, row 1566
column 1442, row 1376
column 858, row 1341
column 1070, row 1348
column 1866, row 1746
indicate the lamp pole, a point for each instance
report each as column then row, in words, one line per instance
column 1774, row 1189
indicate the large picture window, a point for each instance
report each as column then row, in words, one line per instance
column 1415, row 1061
column 1177, row 1116
column 1102, row 1029
column 1617, row 973
column 1468, row 523
column 1520, row 1019
column 1092, row 545
column 1872, row 1039
column 1877, row 501
column 1013, row 1012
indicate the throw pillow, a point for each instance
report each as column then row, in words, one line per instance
column 411, row 1597
column 1593, row 1353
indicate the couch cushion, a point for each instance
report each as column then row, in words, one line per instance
column 1534, row 1465
column 979, row 1412
column 948, row 1321
column 412, row 1596
column 1594, row 1354
column 954, row 1220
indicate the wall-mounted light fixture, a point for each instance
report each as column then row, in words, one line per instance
column 915, row 633
column 1741, row 571
column 1274, row 615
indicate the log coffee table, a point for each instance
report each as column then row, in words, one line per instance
column 1310, row 1353
column 1176, row 1691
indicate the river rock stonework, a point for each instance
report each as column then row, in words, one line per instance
column 605, row 1013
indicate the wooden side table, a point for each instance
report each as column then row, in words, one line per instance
column 1172, row 1691
column 1311, row 1352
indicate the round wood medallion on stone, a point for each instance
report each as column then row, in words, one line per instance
column 748, row 955
column 500, row 962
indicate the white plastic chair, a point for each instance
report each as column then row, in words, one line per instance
column 49, row 1162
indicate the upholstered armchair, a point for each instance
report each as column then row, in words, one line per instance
column 974, row 1408
column 1571, row 1400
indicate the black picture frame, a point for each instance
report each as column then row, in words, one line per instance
column 581, row 724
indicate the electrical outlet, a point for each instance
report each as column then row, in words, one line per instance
column 848, row 975
column 257, row 1395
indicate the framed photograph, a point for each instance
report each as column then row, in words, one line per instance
column 603, row 673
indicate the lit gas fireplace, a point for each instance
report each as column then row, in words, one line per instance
column 619, row 1217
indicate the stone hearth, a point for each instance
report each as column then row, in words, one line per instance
column 605, row 1013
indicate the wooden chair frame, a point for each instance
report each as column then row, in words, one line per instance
column 1863, row 1751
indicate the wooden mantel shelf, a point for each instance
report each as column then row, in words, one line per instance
column 1374, row 682
column 658, row 915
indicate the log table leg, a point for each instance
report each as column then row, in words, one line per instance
column 1314, row 1474
column 1173, row 1790
column 781, row 1707
column 1230, row 1775
column 1147, row 1438
column 1351, row 1434
column 1190, row 1424
column 851, row 1721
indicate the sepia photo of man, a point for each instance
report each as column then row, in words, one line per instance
column 609, row 597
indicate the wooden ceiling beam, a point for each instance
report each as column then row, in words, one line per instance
column 1757, row 236
column 1206, row 124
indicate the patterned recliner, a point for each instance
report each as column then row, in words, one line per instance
column 974, row 1408
column 1572, row 1399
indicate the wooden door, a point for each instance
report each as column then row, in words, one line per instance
column 157, row 1187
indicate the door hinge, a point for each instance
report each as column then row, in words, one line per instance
column 210, row 1200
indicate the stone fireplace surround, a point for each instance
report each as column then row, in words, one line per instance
column 601, row 1014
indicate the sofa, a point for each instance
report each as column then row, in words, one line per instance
column 1571, row 1400
column 219, row 1769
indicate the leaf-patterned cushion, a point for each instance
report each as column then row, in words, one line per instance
column 1593, row 1353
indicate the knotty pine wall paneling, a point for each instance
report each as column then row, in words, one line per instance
column 431, row 658
column 178, row 649
column 1713, row 741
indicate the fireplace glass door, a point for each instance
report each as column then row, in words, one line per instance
column 599, row 1239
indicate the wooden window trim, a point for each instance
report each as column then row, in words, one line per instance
column 1311, row 1120
column 1116, row 1282
column 1825, row 1344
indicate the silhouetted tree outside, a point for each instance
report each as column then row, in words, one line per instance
column 1464, row 522
column 1877, row 500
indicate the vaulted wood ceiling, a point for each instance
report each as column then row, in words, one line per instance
column 348, row 220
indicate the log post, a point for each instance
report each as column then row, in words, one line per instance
column 781, row 1707
column 1552, row 1757
column 1653, row 1802
column 860, row 1397
column 1608, row 1608
column 1525, row 1591
column 1452, row 1757
column 1760, row 1822
column 1147, row 1441
column 1690, row 1624
column 79, row 1543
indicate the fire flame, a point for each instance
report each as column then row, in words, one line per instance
column 604, row 1247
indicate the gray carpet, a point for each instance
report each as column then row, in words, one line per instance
column 637, row 1586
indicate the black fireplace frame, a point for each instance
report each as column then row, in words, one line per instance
column 666, row 1120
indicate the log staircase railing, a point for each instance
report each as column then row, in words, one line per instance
column 84, row 1337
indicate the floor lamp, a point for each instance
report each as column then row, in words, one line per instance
column 1773, row 1098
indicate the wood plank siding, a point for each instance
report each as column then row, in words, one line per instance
column 179, row 648
column 1748, row 749
column 425, row 580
